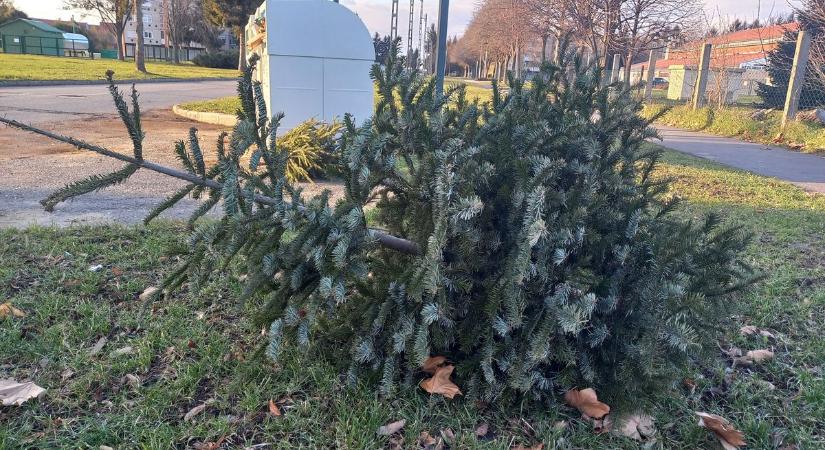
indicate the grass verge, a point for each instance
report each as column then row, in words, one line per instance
column 229, row 105
column 737, row 122
column 51, row 68
column 201, row 349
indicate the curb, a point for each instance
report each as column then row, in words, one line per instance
column 31, row 83
column 227, row 120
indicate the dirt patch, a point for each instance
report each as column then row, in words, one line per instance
column 33, row 167
column 162, row 129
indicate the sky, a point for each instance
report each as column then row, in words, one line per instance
column 376, row 13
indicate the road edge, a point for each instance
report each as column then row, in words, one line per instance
column 35, row 83
column 227, row 120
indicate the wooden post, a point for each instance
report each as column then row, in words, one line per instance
column 800, row 64
column 651, row 75
column 702, row 77
column 614, row 71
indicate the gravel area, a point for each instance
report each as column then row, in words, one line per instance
column 32, row 167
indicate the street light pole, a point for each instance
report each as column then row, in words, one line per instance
column 441, row 59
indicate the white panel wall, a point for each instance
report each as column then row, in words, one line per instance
column 347, row 90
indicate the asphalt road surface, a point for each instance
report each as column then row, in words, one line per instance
column 804, row 170
column 40, row 104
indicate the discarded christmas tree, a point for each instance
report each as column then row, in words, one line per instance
column 525, row 240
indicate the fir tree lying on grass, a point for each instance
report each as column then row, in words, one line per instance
column 523, row 240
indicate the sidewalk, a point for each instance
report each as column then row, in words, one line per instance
column 804, row 170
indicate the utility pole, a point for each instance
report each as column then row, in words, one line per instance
column 394, row 22
column 441, row 58
column 410, row 34
column 421, row 34
column 424, row 44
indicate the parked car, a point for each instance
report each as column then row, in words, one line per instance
column 660, row 83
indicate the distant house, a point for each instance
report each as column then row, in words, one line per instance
column 741, row 55
column 31, row 37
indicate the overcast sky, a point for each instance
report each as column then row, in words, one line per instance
column 376, row 13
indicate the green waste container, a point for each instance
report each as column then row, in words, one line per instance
column 108, row 54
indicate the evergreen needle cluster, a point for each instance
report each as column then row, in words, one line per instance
column 540, row 253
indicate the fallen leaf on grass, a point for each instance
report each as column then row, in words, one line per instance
column 194, row 412
column 728, row 436
column 448, row 435
column 123, row 351
column 587, row 402
column 148, row 293
column 482, row 430
column 758, row 356
column 753, row 356
column 273, row 409
column 637, row 426
column 391, row 428
column 117, row 271
column 750, row 330
column 433, row 363
column 428, row 442
column 538, row 446
column 440, row 383
column 16, row 393
column 7, row 309
column 98, row 346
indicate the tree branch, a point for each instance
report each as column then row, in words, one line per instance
column 386, row 240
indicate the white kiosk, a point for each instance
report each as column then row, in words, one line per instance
column 315, row 62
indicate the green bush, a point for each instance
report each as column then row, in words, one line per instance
column 224, row 59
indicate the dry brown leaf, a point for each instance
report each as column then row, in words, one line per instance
column 391, row 428
column 433, row 363
column 440, row 383
column 750, row 330
column 587, row 402
column 482, row 430
column 148, row 293
column 728, row 436
column 16, row 393
column 98, row 346
column 428, row 442
column 7, row 309
column 636, row 426
column 538, row 446
column 273, row 409
column 194, row 412
column 448, row 435
column 758, row 356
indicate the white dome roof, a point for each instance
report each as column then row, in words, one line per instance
column 316, row 28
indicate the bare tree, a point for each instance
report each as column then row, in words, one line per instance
column 181, row 18
column 649, row 23
column 115, row 14
column 140, row 63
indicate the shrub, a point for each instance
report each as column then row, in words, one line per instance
column 224, row 59
column 538, row 254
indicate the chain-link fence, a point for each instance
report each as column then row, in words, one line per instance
column 752, row 68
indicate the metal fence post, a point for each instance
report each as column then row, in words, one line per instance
column 651, row 75
column 800, row 64
column 702, row 77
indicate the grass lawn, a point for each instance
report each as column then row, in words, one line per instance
column 201, row 349
column 33, row 67
column 736, row 121
column 229, row 105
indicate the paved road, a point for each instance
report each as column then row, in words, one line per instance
column 804, row 170
column 51, row 103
